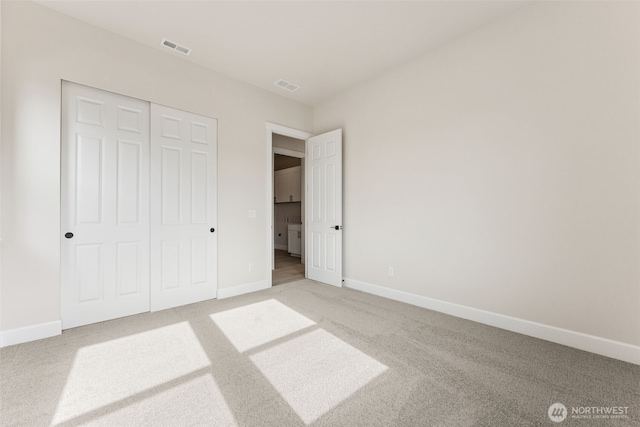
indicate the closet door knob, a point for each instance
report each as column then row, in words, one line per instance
column 68, row 235
column 212, row 230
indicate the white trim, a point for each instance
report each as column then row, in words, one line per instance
column 287, row 152
column 598, row 345
column 281, row 247
column 272, row 128
column 243, row 289
column 290, row 132
column 30, row 333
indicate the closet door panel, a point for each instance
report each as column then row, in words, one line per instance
column 104, row 205
column 183, row 207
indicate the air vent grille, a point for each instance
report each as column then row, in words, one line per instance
column 183, row 49
column 287, row 85
column 175, row 46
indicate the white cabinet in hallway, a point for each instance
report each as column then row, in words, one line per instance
column 287, row 184
column 295, row 239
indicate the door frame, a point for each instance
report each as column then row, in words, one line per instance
column 272, row 128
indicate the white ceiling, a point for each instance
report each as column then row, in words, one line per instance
column 325, row 47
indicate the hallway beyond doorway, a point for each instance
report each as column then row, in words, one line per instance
column 288, row 268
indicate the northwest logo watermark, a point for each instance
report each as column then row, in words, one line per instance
column 557, row 412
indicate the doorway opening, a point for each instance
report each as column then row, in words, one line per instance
column 321, row 199
column 288, row 213
column 286, row 191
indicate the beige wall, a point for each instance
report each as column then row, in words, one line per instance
column 501, row 171
column 39, row 48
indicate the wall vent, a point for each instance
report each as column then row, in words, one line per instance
column 175, row 46
column 287, row 85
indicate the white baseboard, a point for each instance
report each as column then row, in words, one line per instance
column 243, row 289
column 281, row 247
column 603, row 346
column 30, row 333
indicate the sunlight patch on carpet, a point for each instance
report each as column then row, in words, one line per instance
column 316, row 371
column 251, row 326
column 195, row 402
column 106, row 373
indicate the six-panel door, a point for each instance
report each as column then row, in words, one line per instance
column 104, row 206
column 183, row 207
column 324, row 208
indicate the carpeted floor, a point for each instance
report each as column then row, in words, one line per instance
column 304, row 353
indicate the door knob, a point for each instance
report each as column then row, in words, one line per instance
column 212, row 230
column 336, row 227
column 68, row 235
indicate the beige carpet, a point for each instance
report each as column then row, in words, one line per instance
column 304, row 354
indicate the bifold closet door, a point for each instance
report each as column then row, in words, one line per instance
column 104, row 206
column 183, row 207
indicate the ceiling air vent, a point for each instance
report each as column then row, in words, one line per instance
column 175, row 46
column 286, row 85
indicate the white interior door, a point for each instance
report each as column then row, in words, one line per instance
column 183, row 207
column 104, row 206
column 324, row 208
